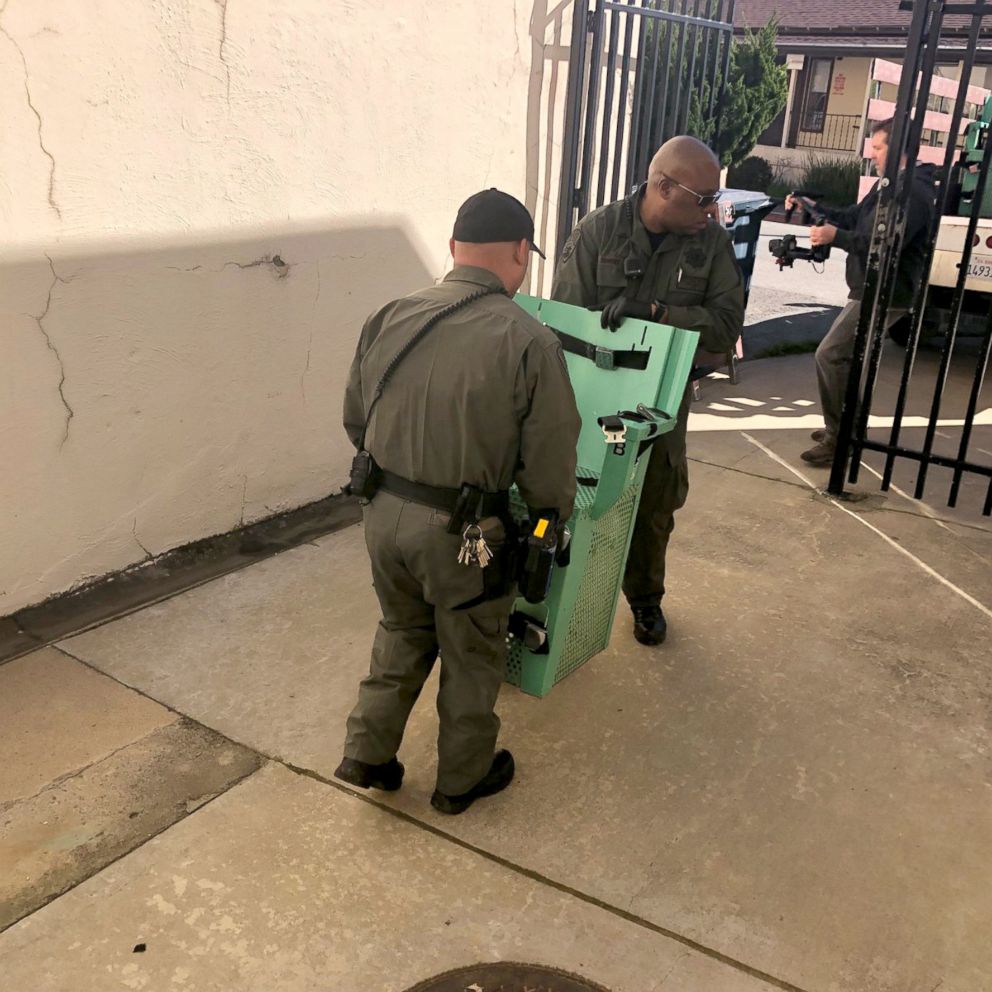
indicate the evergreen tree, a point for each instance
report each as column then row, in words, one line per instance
column 755, row 93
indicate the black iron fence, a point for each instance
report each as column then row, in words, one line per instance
column 638, row 72
column 831, row 132
column 925, row 34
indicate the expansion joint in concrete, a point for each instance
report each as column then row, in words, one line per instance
column 552, row 883
column 67, row 777
column 489, row 856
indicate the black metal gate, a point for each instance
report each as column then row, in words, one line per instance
column 638, row 70
column 933, row 24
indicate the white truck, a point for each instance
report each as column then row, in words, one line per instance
column 944, row 276
column 950, row 245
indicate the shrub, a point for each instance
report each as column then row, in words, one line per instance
column 834, row 181
column 788, row 348
column 756, row 92
column 753, row 173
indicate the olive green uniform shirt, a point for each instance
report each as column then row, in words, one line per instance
column 483, row 399
column 695, row 276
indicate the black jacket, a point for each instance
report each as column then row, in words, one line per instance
column 855, row 224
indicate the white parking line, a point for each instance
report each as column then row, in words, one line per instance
column 808, row 421
column 885, row 537
column 923, row 506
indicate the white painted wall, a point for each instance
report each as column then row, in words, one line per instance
column 161, row 378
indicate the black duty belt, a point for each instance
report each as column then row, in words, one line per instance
column 440, row 498
column 604, row 358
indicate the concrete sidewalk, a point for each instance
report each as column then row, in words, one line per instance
column 793, row 792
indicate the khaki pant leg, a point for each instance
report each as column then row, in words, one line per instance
column 833, row 361
column 405, row 645
column 473, row 652
column 473, row 667
column 833, row 364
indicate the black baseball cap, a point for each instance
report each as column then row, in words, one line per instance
column 492, row 216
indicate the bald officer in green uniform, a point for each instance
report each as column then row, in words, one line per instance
column 657, row 255
column 482, row 400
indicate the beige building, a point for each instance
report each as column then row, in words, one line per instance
column 834, row 51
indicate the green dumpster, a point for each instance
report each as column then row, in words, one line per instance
column 976, row 141
column 628, row 385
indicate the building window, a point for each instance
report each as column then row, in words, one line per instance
column 817, row 94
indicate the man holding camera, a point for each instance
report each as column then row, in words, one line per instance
column 850, row 229
column 455, row 394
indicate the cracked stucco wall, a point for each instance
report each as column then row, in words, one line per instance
column 201, row 201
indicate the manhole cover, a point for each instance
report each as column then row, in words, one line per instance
column 507, row 977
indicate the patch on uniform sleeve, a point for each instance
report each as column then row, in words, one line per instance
column 733, row 257
column 569, row 249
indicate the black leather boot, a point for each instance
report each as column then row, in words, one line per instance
column 650, row 626
column 499, row 776
column 387, row 776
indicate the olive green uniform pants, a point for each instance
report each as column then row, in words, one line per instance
column 420, row 584
column 666, row 486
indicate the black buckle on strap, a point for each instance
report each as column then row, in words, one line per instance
column 614, row 429
column 605, row 359
column 609, row 359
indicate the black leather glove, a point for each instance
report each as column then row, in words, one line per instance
column 623, row 306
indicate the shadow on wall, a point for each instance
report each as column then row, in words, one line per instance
column 154, row 394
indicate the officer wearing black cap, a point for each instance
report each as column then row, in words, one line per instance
column 476, row 398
